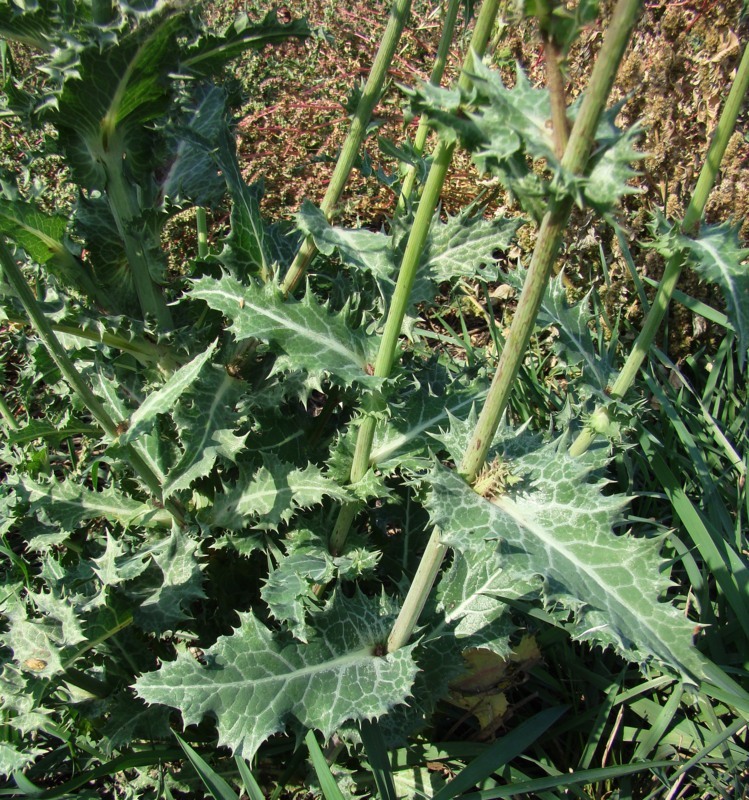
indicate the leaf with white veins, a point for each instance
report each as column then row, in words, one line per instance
column 273, row 495
column 206, row 419
column 163, row 399
column 314, row 339
column 555, row 529
column 256, row 681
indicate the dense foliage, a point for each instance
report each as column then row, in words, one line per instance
column 221, row 480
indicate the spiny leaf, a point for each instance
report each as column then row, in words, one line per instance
column 467, row 602
column 555, row 528
column 194, row 173
column 423, row 412
column 210, row 52
column 717, row 256
column 256, row 682
column 163, row 399
column 68, row 505
column 206, row 418
column 506, row 128
column 273, row 495
column 314, row 339
column 119, row 87
column 460, row 248
column 465, row 245
column 181, row 583
column 42, row 236
column 288, row 590
column 575, row 344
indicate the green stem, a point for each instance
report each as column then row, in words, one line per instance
column 406, row 276
column 369, row 99
column 202, row 225
column 553, row 226
column 675, row 263
column 125, row 214
column 418, row 592
column 73, row 377
column 448, row 30
column 138, row 347
column 8, row 415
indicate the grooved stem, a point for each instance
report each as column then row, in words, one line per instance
column 448, row 30
column 369, row 99
column 406, row 276
column 675, row 263
column 553, row 225
column 552, row 228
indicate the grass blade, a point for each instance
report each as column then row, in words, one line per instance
column 535, row 785
column 216, row 785
column 254, row 792
column 377, row 755
column 501, row 752
column 328, row 783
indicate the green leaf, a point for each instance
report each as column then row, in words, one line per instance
column 216, row 785
column 131, row 719
column 194, row 173
column 313, row 339
column 717, row 256
column 273, row 495
column 508, row 129
column 465, row 245
column 575, row 344
column 181, row 584
column 467, row 603
column 15, row 759
column 328, row 782
column 256, row 682
column 164, row 398
column 423, row 412
column 42, row 236
column 118, row 88
column 288, row 590
column 206, row 419
column 67, row 505
column 211, row 52
column 610, row 171
column 555, row 531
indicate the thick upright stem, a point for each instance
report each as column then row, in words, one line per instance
column 122, row 206
column 448, row 31
column 407, row 275
column 369, row 99
column 552, row 228
column 550, row 236
column 675, row 263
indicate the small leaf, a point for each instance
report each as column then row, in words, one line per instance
column 206, row 419
column 164, row 398
column 288, row 590
column 180, row 585
column 256, row 682
column 717, row 256
column 273, row 495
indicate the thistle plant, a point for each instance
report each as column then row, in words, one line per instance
column 235, row 490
